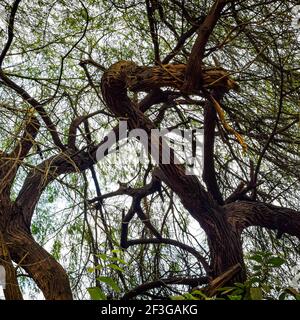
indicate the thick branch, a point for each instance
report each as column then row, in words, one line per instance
column 12, row 290
column 141, row 78
column 245, row 214
column 209, row 172
column 48, row 274
column 222, row 279
column 75, row 125
column 194, row 65
column 114, row 84
column 26, row 142
column 46, row 172
column 70, row 161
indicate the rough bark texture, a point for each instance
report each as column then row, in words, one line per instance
column 12, row 290
column 47, row 273
column 209, row 172
column 18, row 245
column 244, row 214
column 224, row 242
column 194, row 66
column 223, row 224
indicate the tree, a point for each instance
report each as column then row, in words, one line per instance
column 67, row 75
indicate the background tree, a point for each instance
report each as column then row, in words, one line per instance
column 69, row 71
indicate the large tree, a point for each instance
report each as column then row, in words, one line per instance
column 70, row 71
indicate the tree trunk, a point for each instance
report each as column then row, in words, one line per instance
column 18, row 244
column 224, row 242
column 47, row 273
column 12, row 290
column 225, row 246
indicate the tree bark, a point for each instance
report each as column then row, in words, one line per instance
column 12, row 290
column 225, row 244
column 41, row 266
column 244, row 214
column 17, row 244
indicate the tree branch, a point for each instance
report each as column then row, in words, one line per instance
column 175, row 243
column 244, row 214
column 209, row 172
column 12, row 290
column 48, row 274
column 67, row 162
column 25, row 143
column 114, row 85
column 10, row 30
column 151, row 7
column 193, row 76
column 36, row 105
column 202, row 207
column 12, row 161
column 8, row 82
column 193, row 282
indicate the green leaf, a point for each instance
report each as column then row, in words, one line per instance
column 118, row 260
column 276, row 261
column 83, row 14
column 266, row 287
column 116, row 251
column 256, row 267
column 256, row 257
column 177, row 298
column 189, row 296
column 228, row 291
column 99, row 267
column 256, row 294
column 96, row 293
column 56, row 249
column 240, row 285
column 102, row 256
column 253, row 280
column 90, row 269
column 238, row 291
column 226, row 288
column 199, row 293
column 109, row 281
column 115, row 267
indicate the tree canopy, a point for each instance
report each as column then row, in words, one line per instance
column 73, row 225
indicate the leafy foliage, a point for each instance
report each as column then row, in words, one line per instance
column 258, row 45
column 260, row 285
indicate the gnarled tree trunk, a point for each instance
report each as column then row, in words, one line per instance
column 18, row 245
column 224, row 241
